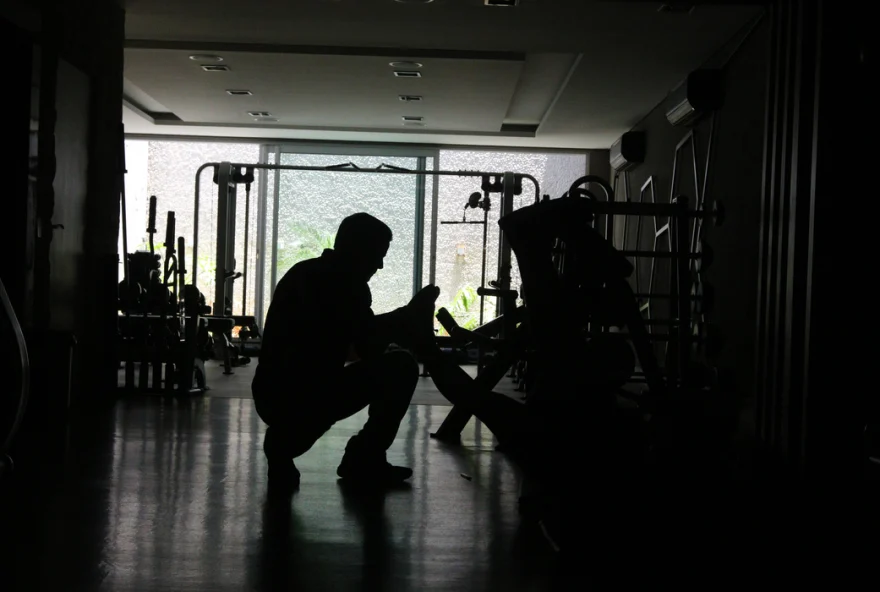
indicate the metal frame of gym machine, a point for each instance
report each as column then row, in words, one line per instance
column 226, row 216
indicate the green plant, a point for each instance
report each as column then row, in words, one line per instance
column 308, row 243
column 465, row 308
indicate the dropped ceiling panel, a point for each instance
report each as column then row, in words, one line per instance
column 327, row 91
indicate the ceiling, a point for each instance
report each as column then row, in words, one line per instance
column 570, row 74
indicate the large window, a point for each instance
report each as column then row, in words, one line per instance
column 293, row 215
column 458, row 256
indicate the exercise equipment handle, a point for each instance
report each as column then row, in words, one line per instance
column 170, row 232
column 151, row 222
column 24, row 363
column 609, row 191
column 460, row 334
column 447, row 321
column 494, row 293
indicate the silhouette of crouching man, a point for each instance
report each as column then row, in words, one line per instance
column 324, row 358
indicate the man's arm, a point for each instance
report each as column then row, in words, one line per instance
column 374, row 333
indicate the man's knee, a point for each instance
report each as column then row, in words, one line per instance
column 401, row 368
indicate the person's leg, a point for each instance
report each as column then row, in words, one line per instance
column 385, row 384
column 292, row 430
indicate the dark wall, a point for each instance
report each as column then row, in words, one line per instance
column 70, row 187
column 14, row 41
column 65, row 261
column 734, row 178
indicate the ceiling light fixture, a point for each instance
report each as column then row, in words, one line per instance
column 405, row 64
column 239, row 93
column 202, row 57
column 677, row 8
column 407, row 74
column 259, row 114
column 501, row 2
column 413, row 118
column 213, row 68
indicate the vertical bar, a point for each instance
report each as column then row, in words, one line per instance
column 419, row 246
column 683, row 260
column 259, row 261
column 483, row 258
column 195, row 245
column 435, row 207
column 277, row 192
column 229, row 287
column 504, row 254
column 247, row 229
column 223, row 174
column 674, row 330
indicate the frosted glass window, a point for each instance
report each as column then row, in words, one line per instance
column 459, row 247
column 312, row 204
column 167, row 170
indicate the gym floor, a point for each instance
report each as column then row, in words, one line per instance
column 170, row 494
column 167, row 494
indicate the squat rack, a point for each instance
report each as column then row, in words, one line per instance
column 225, row 173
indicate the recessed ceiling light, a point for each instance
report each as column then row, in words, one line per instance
column 410, row 98
column 413, row 118
column 259, row 114
column 213, row 68
column 407, row 74
column 239, row 93
column 677, row 8
column 202, row 57
column 501, row 2
column 405, row 64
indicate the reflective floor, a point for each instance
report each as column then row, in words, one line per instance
column 160, row 494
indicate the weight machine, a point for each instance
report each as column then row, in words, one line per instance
column 228, row 176
column 158, row 326
column 679, row 374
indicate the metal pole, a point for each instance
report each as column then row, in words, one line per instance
column 485, row 241
column 259, row 262
column 419, row 246
column 231, row 214
column 247, row 227
column 504, row 254
column 223, row 174
column 683, row 291
column 124, row 213
column 276, row 197
column 195, row 245
column 435, row 211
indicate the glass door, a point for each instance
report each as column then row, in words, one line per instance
column 303, row 209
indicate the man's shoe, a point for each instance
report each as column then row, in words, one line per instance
column 376, row 473
column 283, row 474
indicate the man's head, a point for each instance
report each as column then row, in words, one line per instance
column 363, row 241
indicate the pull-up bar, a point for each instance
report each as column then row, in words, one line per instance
column 226, row 211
